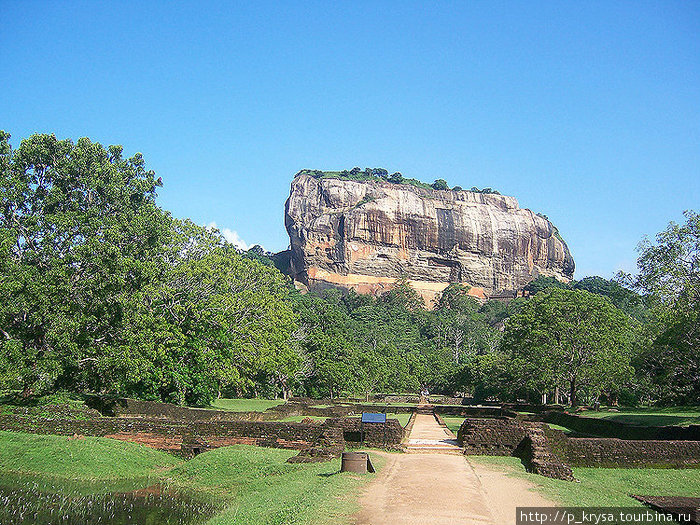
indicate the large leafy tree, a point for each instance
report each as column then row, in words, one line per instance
column 669, row 278
column 214, row 321
column 103, row 291
column 80, row 232
column 571, row 339
column 328, row 344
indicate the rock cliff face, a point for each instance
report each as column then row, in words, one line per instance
column 364, row 235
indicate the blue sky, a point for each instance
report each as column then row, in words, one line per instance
column 588, row 112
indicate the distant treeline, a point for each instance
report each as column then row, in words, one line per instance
column 358, row 174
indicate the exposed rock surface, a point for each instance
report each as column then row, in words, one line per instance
column 364, row 235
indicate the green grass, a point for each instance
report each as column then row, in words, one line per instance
column 682, row 416
column 603, row 486
column 258, row 486
column 453, row 422
column 247, row 484
column 559, row 427
column 403, row 418
column 296, row 419
column 87, row 459
column 246, row 405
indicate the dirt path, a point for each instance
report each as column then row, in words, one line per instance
column 505, row 493
column 433, row 485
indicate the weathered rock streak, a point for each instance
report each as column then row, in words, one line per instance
column 364, row 235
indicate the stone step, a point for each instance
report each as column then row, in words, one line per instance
column 433, row 450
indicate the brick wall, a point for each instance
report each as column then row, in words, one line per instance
column 475, row 412
column 172, row 435
column 611, row 452
column 614, row 429
column 490, row 437
column 375, row 434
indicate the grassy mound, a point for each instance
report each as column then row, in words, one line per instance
column 260, row 487
column 248, row 484
column 87, row 458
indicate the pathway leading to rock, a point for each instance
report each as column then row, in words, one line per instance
column 435, row 485
column 427, row 436
column 428, row 486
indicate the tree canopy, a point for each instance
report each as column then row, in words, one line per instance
column 669, row 279
column 572, row 339
column 105, row 292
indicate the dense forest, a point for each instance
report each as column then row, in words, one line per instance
column 103, row 291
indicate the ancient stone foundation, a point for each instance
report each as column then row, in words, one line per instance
column 551, row 453
column 190, row 431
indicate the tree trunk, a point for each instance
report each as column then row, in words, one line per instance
column 572, row 393
column 27, row 390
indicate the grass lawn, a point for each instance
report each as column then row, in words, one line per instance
column 559, row 427
column 88, row 458
column 246, row 405
column 650, row 416
column 453, row 422
column 604, row 486
column 296, row 419
column 258, row 486
column 403, row 418
column 247, row 484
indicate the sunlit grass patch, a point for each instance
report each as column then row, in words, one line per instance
column 86, row 458
column 246, row 405
column 603, row 486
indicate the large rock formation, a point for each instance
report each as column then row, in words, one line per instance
column 365, row 235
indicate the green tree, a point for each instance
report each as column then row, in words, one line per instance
column 80, row 232
column 395, row 178
column 215, row 320
column 544, row 283
column 402, row 295
column 625, row 299
column 570, row 338
column 440, row 184
column 669, row 279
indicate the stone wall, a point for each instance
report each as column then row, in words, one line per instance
column 490, row 437
column 176, row 436
column 396, row 398
column 539, row 455
column 611, row 452
column 135, row 408
column 551, row 452
column 124, row 407
column 375, row 434
column 614, row 429
column 186, row 435
column 475, row 412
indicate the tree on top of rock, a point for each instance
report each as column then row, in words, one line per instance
column 440, row 184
